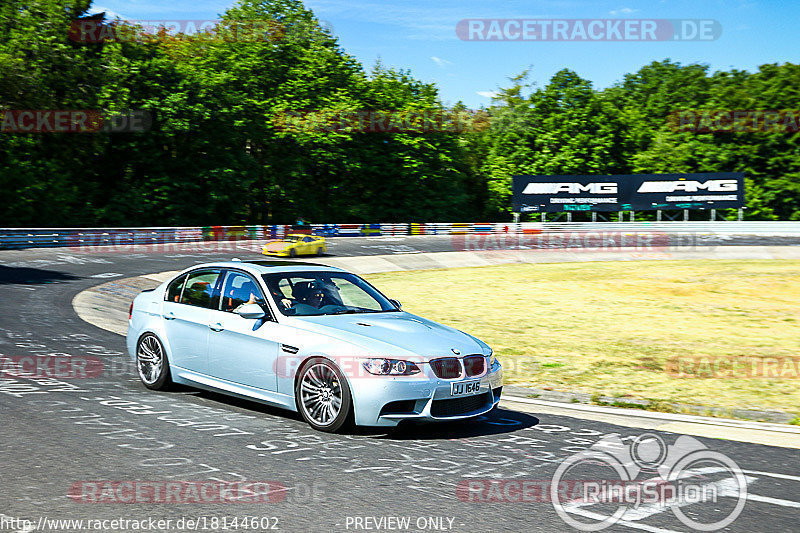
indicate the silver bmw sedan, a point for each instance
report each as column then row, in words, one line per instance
column 309, row 338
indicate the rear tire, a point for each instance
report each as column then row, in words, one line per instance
column 152, row 364
column 323, row 397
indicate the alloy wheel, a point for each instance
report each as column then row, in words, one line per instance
column 150, row 360
column 321, row 394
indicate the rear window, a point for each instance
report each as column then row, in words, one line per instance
column 199, row 288
column 174, row 289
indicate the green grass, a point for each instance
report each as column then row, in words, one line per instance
column 610, row 328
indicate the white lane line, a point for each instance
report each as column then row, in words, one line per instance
column 772, row 474
column 773, row 501
column 597, row 516
column 106, row 275
column 638, row 413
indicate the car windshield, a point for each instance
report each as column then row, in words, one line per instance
column 325, row 293
column 292, row 238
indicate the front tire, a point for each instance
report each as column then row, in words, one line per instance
column 152, row 364
column 323, row 396
column 292, row 253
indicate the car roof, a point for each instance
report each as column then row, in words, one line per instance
column 269, row 266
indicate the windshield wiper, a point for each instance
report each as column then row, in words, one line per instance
column 345, row 312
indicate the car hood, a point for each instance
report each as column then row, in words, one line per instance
column 393, row 334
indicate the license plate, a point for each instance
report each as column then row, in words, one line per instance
column 465, row 388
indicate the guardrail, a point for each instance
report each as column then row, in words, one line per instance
column 16, row 238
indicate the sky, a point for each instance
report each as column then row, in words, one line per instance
column 420, row 35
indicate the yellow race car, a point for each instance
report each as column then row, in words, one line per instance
column 296, row 244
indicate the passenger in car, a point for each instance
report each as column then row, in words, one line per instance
column 239, row 296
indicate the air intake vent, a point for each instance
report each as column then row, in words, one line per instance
column 460, row 406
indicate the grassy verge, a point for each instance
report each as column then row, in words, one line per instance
column 611, row 328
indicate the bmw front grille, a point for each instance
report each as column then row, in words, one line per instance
column 452, row 367
column 446, row 367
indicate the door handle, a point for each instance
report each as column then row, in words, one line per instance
column 217, row 326
column 169, row 316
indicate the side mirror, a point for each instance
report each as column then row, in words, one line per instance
column 250, row 311
column 395, row 303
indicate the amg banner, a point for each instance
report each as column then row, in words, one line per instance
column 634, row 192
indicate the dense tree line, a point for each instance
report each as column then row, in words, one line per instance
column 219, row 152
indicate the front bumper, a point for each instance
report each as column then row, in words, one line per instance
column 279, row 253
column 388, row 400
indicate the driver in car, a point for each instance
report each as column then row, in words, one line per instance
column 315, row 296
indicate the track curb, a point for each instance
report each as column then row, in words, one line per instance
column 782, row 435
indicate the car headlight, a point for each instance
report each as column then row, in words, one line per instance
column 492, row 359
column 390, row 367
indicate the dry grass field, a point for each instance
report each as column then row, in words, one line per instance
column 612, row 328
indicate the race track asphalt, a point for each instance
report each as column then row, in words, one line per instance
column 58, row 435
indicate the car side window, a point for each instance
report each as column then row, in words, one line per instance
column 199, row 288
column 354, row 296
column 240, row 289
column 308, row 239
column 175, row 289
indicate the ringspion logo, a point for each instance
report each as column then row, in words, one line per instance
column 649, row 475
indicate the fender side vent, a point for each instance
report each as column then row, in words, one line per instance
column 289, row 349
